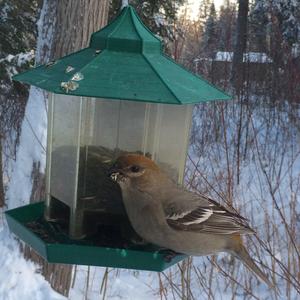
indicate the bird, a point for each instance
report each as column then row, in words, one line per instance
column 164, row 213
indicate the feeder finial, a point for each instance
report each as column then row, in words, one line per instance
column 124, row 3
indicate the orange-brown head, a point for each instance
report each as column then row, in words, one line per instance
column 127, row 160
column 137, row 169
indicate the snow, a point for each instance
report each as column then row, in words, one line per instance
column 159, row 19
column 34, row 127
column 121, row 284
column 252, row 57
column 19, row 279
column 25, row 57
column 21, row 58
column 125, row 284
column 296, row 50
column 30, row 150
column 16, row 60
column 4, row 12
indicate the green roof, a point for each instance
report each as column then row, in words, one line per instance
column 123, row 61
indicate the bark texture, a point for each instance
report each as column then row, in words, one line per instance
column 70, row 23
column 1, row 176
column 75, row 22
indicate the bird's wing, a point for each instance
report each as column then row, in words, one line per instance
column 204, row 215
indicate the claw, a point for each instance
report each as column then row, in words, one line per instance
column 168, row 254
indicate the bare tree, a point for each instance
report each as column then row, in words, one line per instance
column 237, row 74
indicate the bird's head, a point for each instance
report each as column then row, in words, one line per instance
column 135, row 169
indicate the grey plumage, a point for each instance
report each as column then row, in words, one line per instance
column 167, row 215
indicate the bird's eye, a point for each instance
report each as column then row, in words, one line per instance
column 134, row 169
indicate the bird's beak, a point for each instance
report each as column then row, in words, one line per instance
column 114, row 176
column 114, row 173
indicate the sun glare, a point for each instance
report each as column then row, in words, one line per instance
column 193, row 7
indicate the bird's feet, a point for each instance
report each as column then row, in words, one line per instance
column 168, row 254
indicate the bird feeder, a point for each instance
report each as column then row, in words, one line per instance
column 119, row 95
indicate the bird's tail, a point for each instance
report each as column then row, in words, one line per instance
column 241, row 252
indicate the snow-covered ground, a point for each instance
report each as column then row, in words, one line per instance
column 31, row 150
column 277, row 156
column 20, row 279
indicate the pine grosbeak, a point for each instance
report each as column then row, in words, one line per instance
column 165, row 214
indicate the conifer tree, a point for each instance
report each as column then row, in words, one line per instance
column 226, row 27
column 210, row 34
column 258, row 27
column 204, row 10
column 159, row 16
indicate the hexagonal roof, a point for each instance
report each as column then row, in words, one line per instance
column 123, row 61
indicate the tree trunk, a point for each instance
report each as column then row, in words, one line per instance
column 76, row 21
column 2, row 202
column 237, row 73
column 72, row 23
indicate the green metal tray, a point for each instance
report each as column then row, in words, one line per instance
column 147, row 259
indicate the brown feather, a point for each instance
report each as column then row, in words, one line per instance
column 136, row 159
